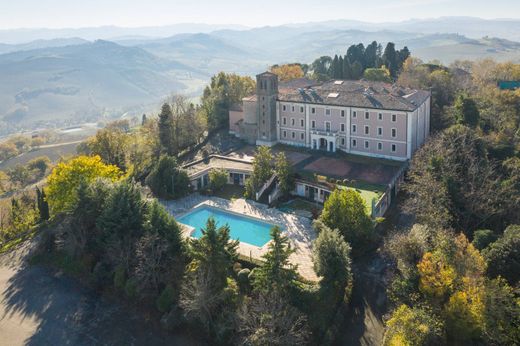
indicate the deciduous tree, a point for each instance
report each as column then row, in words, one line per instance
column 267, row 319
column 345, row 210
column 66, row 177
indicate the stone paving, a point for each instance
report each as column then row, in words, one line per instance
column 297, row 228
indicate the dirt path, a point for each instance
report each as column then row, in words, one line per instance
column 40, row 307
column 364, row 325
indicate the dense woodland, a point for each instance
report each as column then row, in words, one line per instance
column 454, row 276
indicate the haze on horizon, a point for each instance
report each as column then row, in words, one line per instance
column 132, row 13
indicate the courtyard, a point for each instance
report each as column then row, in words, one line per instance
column 297, row 228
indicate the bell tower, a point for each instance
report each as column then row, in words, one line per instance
column 266, row 93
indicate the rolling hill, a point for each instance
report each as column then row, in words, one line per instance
column 85, row 82
column 38, row 44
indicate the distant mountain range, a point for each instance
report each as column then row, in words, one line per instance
column 71, row 79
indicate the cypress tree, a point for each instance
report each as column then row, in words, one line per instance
column 347, row 69
column 356, row 70
column 403, row 55
column 390, row 59
column 43, row 205
column 371, row 55
column 334, row 67
column 341, row 74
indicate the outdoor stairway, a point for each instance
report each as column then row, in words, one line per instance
column 270, row 185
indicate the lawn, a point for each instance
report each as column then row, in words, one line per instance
column 367, row 195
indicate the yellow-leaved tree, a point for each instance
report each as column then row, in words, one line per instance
column 436, row 276
column 464, row 311
column 66, row 177
column 288, row 72
column 413, row 326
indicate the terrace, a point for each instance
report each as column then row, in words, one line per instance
column 319, row 173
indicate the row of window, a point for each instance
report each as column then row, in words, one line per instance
column 284, row 108
column 328, row 112
column 293, row 121
column 379, row 130
column 354, row 128
column 293, row 135
column 379, row 116
column 380, row 145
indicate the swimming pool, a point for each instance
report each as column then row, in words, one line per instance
column 243, row 228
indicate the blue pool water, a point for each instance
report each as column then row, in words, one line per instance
column 245, row 229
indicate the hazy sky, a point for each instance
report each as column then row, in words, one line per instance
column 133, row 13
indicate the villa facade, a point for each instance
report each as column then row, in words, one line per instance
column 360, row 117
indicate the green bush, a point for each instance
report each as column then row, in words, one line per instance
column 166, row 299
column 243, row 280
column 101, row 275
column 218, row 178
column 167, row 179
column 483, row 237
column 131, row 288
column 119, row 278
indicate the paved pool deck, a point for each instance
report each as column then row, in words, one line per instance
column 297, row 228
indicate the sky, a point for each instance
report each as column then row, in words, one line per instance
column 133, row 13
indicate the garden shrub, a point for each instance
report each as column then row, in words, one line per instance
column 101, row 275
column 131, row 288
column 243, row 280
column 119, row 278
column 166, row 299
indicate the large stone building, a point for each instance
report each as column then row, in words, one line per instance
column 360, row 117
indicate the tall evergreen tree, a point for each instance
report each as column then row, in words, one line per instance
column 167, row 179
column 356, row 70
column 403, row 54
column 356, row 53
column 284, row 173
column 166, row 129
column 214, row 253
column 379, row 56
column 340, row 68
column 334, row 68
column 43, row 205
column 390, row 59
column 371, row 55
column 347, row 68
column 276, row 273
column 331, row 259
column 121, row 224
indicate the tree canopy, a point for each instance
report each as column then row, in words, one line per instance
column 66, row 177
column 345, row 210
